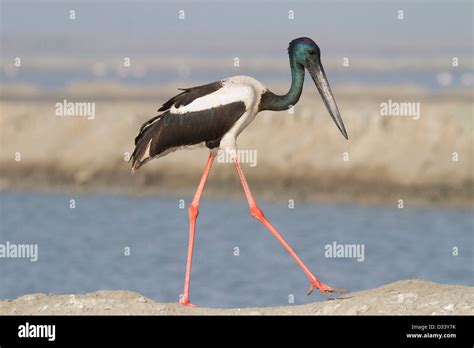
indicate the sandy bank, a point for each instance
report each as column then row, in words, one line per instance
column 402, row 297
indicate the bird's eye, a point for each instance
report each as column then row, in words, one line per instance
column 311, row 52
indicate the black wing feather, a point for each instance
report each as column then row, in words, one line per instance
column 190, row 94
column 167, row 131
column 144, row 127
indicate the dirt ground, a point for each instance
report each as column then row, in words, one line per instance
column 401, row 297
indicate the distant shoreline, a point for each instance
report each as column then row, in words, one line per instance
column 275, row 188
column 301, row 155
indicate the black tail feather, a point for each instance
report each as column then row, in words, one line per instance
column 147, row 132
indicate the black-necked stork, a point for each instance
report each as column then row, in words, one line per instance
column 214, row 115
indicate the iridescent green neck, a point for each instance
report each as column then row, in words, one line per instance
column 271, row 101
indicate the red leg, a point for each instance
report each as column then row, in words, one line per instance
column 257, row 213
column 193, row 213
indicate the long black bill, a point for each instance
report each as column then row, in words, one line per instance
column 319, row 77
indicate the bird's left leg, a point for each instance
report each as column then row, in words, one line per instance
column 257, row 213
column 193, row 213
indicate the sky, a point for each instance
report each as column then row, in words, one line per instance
column 252, row 27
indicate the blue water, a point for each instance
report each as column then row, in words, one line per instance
column 82, row 249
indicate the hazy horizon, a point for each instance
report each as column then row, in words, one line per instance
column 147, row 28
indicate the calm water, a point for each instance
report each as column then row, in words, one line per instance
column 82, row 249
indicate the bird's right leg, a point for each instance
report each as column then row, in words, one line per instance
column 257, row 213
column 193, row 213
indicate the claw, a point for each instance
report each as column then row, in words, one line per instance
column 324, row 289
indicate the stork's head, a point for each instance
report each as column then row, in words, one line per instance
column 306, row 53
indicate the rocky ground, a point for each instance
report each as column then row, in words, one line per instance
column 402, row 297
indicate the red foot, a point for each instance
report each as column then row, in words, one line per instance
column 324, row 289
column 185, row 302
